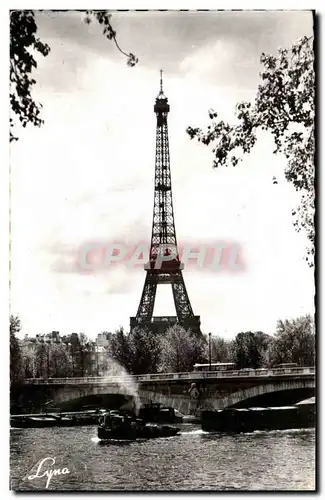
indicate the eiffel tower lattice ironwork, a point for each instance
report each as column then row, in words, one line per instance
column 163, row 242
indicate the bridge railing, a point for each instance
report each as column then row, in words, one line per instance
column 191, row 376
column 75, row 380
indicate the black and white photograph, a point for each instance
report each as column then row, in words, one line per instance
column 162, row 250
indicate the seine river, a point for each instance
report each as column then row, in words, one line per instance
column 278, row 460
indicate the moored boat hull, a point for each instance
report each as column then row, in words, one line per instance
column 147, row 432
column 258, row 419
column 37, row 421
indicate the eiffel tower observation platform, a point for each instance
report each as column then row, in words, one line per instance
column 159, row 324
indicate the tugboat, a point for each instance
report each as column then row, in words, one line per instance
column 154, row 412
column 114, row 425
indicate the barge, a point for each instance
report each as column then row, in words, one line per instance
column 53, row 420
column 259, row 419
column 153, row 413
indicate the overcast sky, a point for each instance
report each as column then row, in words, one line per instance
column 88, row 173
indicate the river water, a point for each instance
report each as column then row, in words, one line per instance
column 277, row 460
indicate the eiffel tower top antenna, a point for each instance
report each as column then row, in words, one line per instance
column 161, row 82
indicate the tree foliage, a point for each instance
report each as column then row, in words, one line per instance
column 294, row 342
column 24, row 45
column 145, row 351
column 141, row 351
column 42, row 361
column 180, row 350
column 249, row 349
column 50, row 357
column 14, row 324
column 284, row 106
column 60, row 366
column 221, row 350
column 23, row 42
column 120, row 349
column 28, row 360
column 15, row 351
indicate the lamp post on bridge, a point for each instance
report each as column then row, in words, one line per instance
column 210, row 351
column 97, row 360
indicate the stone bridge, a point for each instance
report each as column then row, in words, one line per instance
column 186, row 392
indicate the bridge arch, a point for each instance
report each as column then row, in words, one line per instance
column 304, row 387
column 182, row 404
column 104, row 395
column 68, row 395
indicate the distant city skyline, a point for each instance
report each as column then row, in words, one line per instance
column 87, row 173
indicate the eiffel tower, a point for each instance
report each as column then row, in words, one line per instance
column 163, row 248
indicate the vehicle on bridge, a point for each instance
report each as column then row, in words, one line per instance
column 214, row 367
column 287, row 365
column 115, row 425
column 251, row 371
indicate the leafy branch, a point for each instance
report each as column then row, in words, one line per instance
column 104, row 18
column 284, row 106
column 23, row 44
